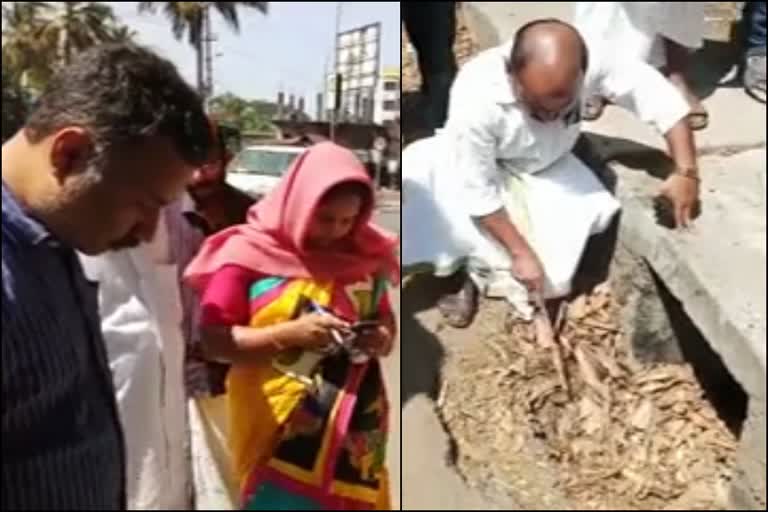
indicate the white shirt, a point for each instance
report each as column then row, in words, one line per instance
column 635, row 29
column 142, row 318
column 489, row 129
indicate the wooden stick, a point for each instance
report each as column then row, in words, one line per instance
column 589, row 374
column 545, row 336
column 599, row 325
column 562, row 316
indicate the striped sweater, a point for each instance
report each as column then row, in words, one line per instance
column 62, row 446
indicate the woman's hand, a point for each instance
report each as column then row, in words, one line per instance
column 314, row 330
column 377, row 342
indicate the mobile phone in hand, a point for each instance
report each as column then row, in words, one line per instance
column 365, row 326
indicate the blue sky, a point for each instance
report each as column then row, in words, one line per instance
column 288, row 48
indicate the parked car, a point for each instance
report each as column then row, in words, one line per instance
column 257, row 169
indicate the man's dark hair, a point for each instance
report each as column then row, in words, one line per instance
column 522, row 50
column 123, row 95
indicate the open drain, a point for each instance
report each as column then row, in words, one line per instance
column 642, row 437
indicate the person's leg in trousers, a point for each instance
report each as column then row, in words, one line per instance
column 753, row 18
column 442, row 60
column 431, row 26
column 417, row 27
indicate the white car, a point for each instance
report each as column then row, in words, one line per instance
column 257, row 169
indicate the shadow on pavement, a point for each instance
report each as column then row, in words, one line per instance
column 422, row 354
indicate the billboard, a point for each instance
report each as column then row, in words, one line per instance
column 358, row 55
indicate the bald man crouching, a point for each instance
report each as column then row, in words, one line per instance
column 496, row 199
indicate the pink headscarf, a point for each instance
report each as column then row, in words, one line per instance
column 272, row 240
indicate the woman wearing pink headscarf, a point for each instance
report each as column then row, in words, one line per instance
column 296, row 301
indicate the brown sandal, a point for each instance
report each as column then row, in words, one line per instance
column 459, row 309
column 593, row 108
column 698, row 120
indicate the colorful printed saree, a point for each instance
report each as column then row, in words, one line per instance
column 317, row 443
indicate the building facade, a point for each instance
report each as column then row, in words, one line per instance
column 386, row 106
column 383, row 108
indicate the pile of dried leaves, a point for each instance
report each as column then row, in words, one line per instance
column 642, row 438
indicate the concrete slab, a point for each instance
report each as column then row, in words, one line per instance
column 736, row 121
column 748, row 489
column 718, row 269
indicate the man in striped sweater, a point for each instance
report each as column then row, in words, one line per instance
column 113, row 140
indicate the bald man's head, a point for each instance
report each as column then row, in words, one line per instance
column 548, row 63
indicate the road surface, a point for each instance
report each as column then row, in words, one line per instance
column 428, row 481
column 388, row 216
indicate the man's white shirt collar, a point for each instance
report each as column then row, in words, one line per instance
column 500, row 82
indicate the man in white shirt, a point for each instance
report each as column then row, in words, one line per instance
column 498, row 192
column 148, row 320
column 142, row 317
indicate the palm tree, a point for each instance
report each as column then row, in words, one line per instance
column 25, row 55
column 74, row 26
column 37, row 36
column 14, row 104
column 189, row 18
column 122, row 34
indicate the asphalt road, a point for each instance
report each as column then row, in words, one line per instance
column 388, row 216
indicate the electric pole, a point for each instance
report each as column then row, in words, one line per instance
column 208, row 54
column 336, row 75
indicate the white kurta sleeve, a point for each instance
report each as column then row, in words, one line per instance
column 476, row 140
column 641, row 89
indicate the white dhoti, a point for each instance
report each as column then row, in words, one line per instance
column 557, row 209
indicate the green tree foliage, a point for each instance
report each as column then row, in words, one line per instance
column 186, row 18
column 38, row 36
column 247, row 116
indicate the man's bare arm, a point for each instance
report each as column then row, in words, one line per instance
column 526, row 266
column 681, row 146
column 641, row 88
column 502, row 229
column 682, row 186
